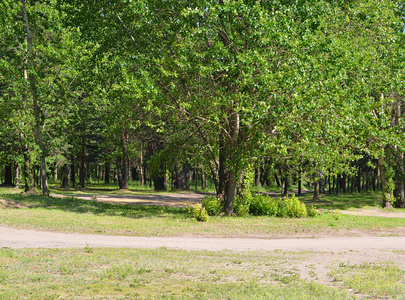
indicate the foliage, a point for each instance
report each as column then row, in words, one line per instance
column 263, row 205
column 212, row 205
column 197, row 212
column 311, row 211
column 241, row 206
column 292, row 207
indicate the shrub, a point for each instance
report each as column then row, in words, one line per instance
column 197, row 212
column 294, row 208
column 212, row 205
column 311, row 211
column 241, row 205
column 263, row 205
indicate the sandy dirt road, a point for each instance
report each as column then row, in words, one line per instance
column 18, row 238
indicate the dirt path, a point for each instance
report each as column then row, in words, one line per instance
column 164, row 199
column 17, row 238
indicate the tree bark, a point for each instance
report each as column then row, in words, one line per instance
column 55, row 173
column 33, row 90
column 82, row 163
column 285, row 186
column 64, row 183
column 27, row 172
column 141, row 169
column 257, row 177
column 17, row 176
column 387, row 193
column 316, row 190
column 8, row 175
column 233, row 168
column 344, row 182
column 124, row 170
column 107, row 170
column 73, row 174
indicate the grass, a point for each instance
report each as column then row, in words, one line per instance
column 156, row 274
column 376, row 280
column 96, row 273
column 77, row 215
column 177, row 274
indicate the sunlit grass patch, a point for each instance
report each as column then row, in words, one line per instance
column 155, row 274
column 374, row 280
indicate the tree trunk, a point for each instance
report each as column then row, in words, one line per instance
column 337, row 184
column 159, row 174
column 73, row 174
column 196, row 178
column 8, row 175
column 82, row 162
column 233, row 168
column 33, row 90
column 159, row 183
column 399, row 182
column 64, row 183
column 299, row 184
column 118, row 164
column 257, row 177
column 27, row 172
column 107, row 170
column 285, row 186
column 55, row 173
column 181, row 181
column 141, row 169
column 329, row 186
column 387, row 192
column 223, row 172
column 344, row 183
column 88, row 169
column 17, row 176
column 123, row 184
column 316, row 190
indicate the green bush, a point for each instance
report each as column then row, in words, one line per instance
column 241, row 205
column 263, row 205
column 311, row 211
column 197, row 212
column 212, row 205
column 292, row 207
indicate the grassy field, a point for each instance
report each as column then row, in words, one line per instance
column 76, row 215
column 96, row 273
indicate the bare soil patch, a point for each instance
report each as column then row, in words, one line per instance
column 165, row 199
column 375, row 212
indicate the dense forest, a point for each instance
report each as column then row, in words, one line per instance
column 231, row 93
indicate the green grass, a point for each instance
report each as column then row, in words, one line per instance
column 346, row 201
column 156, row 274
column 76, row 215
column 376, row 280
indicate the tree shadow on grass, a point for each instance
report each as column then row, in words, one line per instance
column 76, row 205
column 347, row 201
